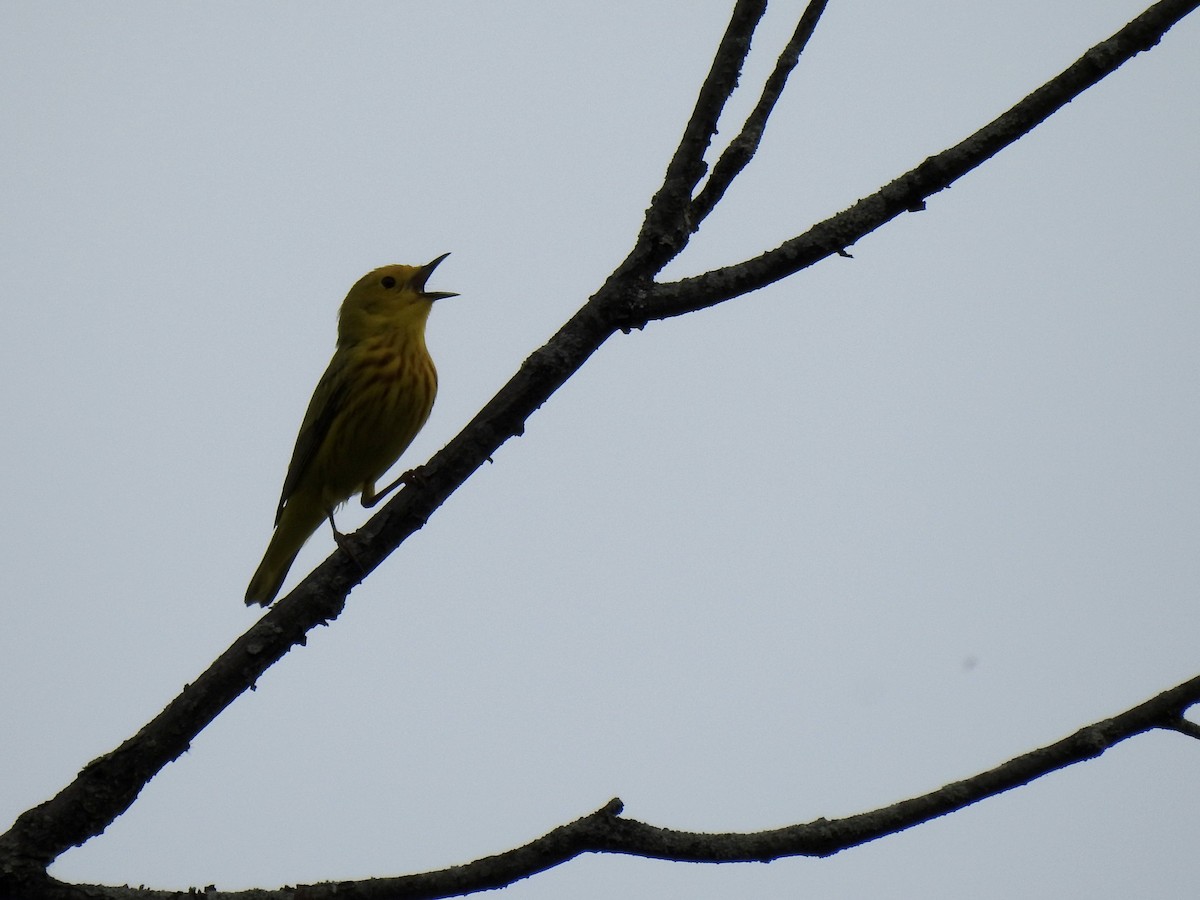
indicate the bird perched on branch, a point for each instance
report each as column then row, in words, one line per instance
column 367, row 408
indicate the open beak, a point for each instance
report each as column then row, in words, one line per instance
column 423, row 276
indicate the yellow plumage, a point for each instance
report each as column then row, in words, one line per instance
column 367, row 408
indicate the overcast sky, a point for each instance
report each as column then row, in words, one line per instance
column 876, row 528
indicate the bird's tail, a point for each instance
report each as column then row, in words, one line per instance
column 300, row 519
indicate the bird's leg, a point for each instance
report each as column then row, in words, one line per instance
column 370, row 496
column 344, row 543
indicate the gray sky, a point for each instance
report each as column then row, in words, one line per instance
column 873, row 529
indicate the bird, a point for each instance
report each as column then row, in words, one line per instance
column 374, row 397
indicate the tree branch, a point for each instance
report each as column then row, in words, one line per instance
column 604, row 831
column 908, row 192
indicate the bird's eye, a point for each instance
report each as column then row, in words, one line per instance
column 388, row 282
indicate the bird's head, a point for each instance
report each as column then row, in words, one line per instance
column 390, row 297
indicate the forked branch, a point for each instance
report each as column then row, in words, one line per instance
column 665, row 229
column 909, row 192
column 741, row 149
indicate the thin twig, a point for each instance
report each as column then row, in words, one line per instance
column 666, row 228
column 1183, row 726
column 741, row 149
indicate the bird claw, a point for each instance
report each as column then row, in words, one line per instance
column 412, row 477
column 345, row 543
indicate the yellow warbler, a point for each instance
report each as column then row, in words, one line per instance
column 366, row 410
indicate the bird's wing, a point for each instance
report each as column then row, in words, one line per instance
column 327, row 401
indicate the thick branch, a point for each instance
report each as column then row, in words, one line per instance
column 908, row 192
